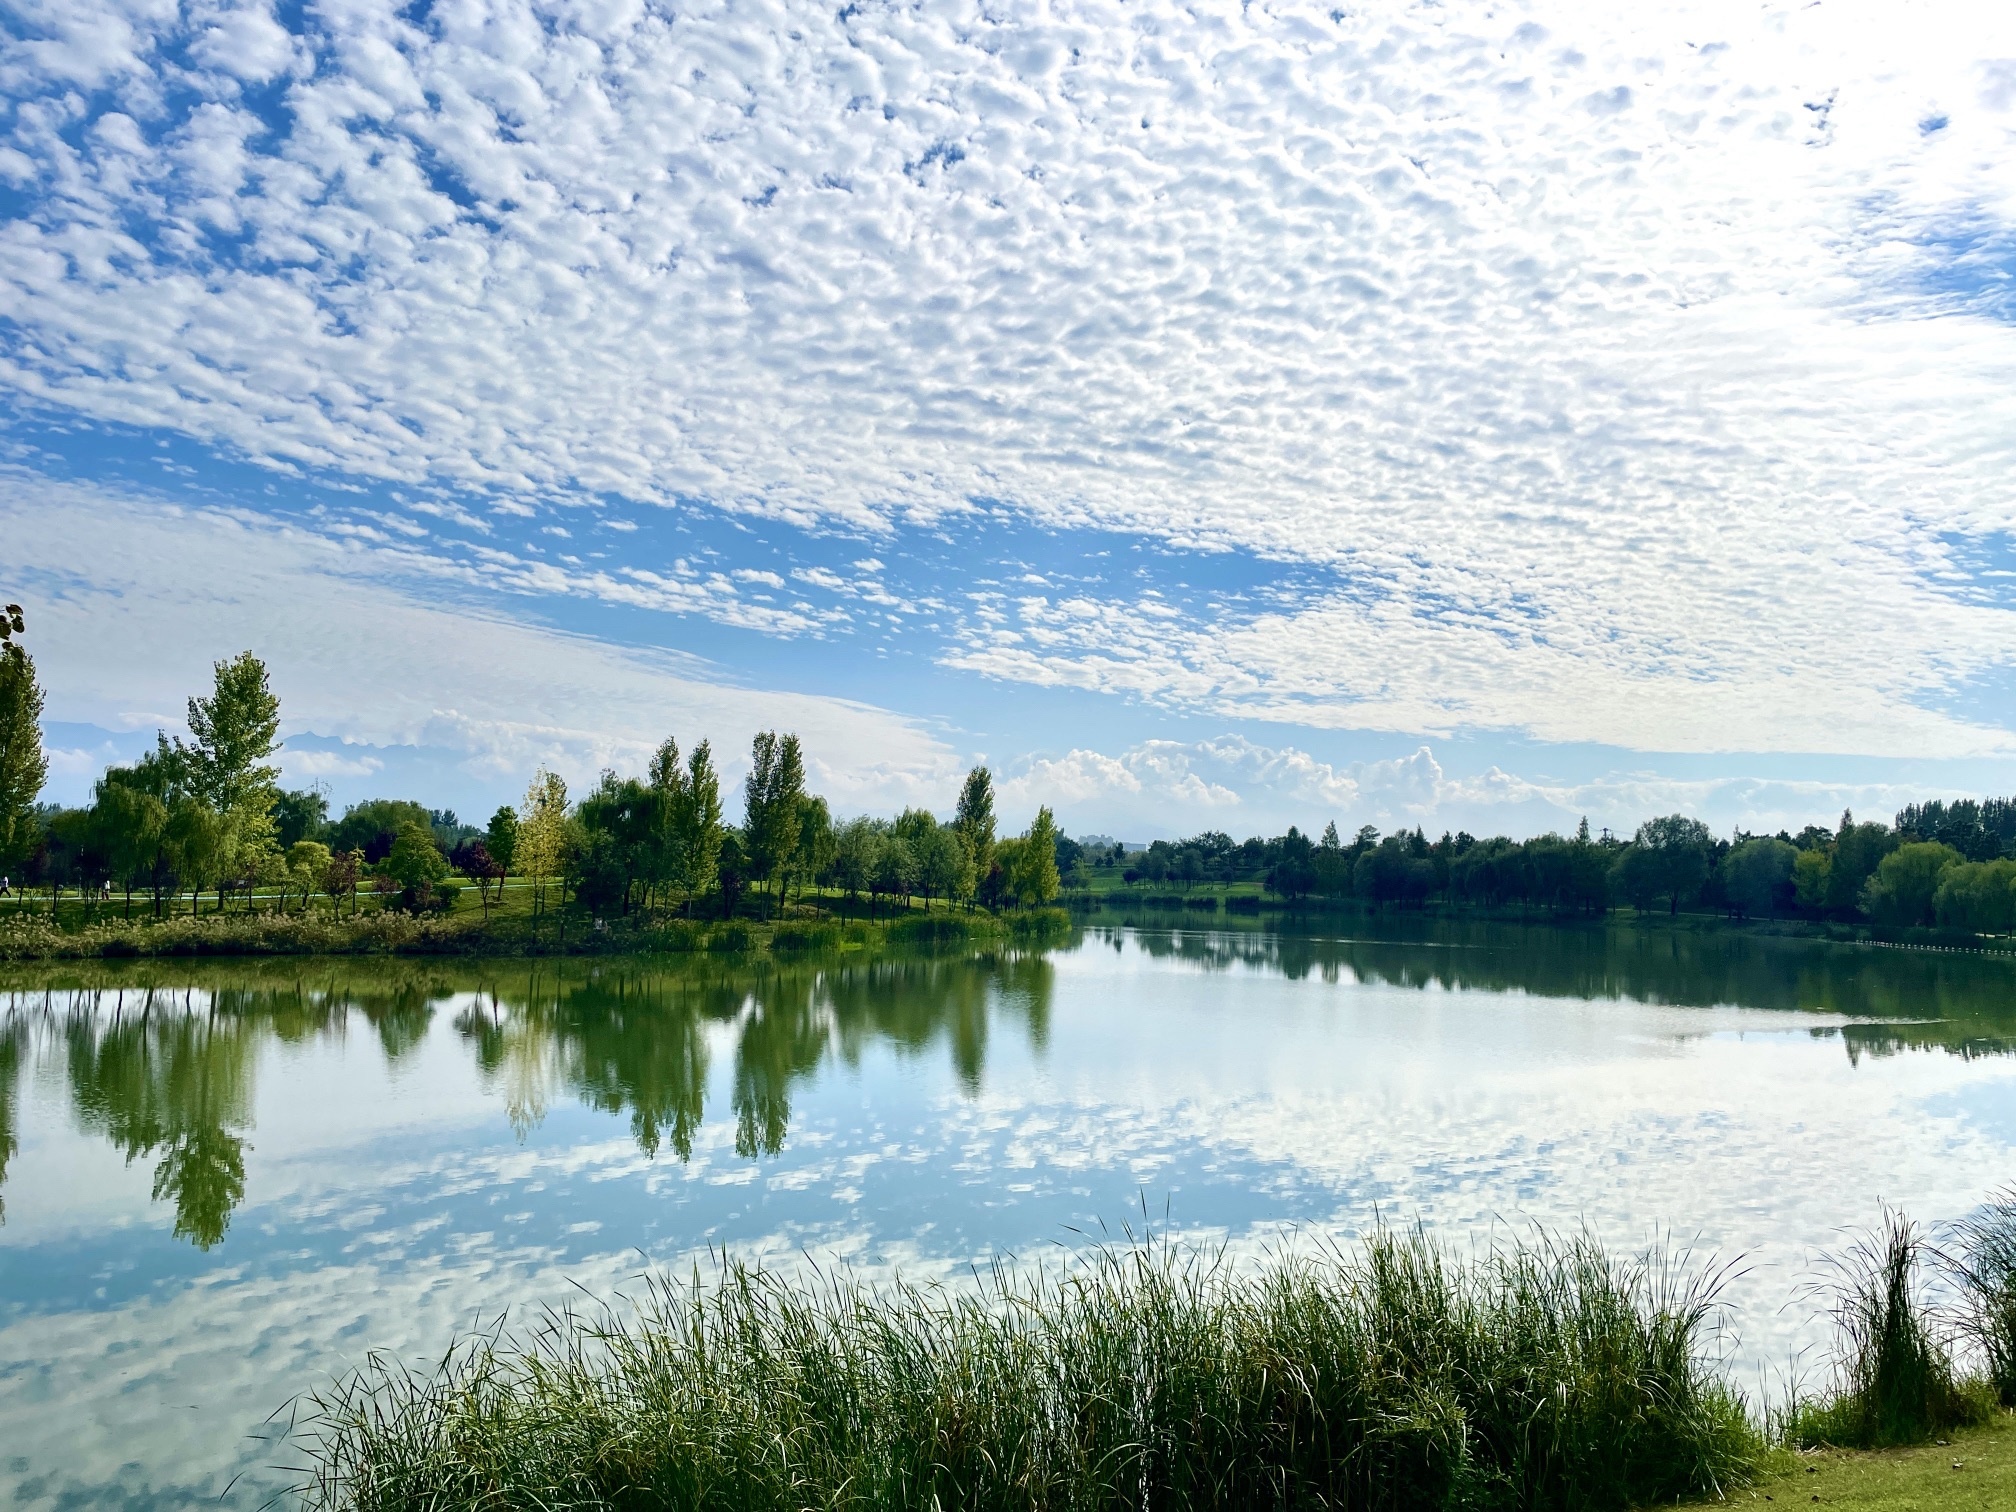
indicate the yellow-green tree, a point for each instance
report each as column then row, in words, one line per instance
column 540, row 851
column 1034, row 880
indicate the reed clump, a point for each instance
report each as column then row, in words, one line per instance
column 1895, row 1380
column 1393, row 1376
column 1986, row 1264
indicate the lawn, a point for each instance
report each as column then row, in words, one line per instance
column 1898, row 1480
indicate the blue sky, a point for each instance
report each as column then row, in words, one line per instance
column 1212, row 415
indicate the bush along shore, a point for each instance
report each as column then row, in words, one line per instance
column 35, row 936
column 1394, row 1375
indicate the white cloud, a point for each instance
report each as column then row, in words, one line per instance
column 1165, row 789
column 1603, row 369
column 132, row 622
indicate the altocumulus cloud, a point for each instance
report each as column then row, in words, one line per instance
column 128, row 628
column 1631, row 375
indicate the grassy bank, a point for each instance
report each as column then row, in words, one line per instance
column 1396, row 1376
column 37, row 937
column 1972, row 1470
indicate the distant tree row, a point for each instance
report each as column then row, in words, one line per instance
column 1948, row 865
column 207, row 817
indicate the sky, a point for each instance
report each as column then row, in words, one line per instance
column 1210, row 416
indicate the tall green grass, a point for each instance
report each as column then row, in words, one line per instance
column 1987, row 1270
column 1894, row 1376
column 1394, row 1376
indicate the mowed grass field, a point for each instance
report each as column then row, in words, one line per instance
column 1896, row 1480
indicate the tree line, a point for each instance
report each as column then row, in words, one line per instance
column 1950, row 865
column 207, row 817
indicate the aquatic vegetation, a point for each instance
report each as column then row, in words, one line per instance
column 1894, row 1381
column 1541, row 1375
column 1987, row 1269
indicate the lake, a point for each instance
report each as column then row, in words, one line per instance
column 223, row 1181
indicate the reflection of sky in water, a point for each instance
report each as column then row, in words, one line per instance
column 391, row 1204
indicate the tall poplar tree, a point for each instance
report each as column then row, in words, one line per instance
column 234, row 730
column 974, row 822
column 23, row 767
column 696, row 826
column 773, row 796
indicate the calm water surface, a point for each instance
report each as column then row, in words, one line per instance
column 223, row 1182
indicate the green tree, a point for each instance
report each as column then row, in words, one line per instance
column 416, row 863
column 1813, row 874
column 501, row 840
column 541, row 846
column 234, row 730
column 307, row 866
column 372, row 826
column 299, row 815
column 773, row 799
column 1977, row 895
column 1902, row 891
column 23, row 767
column 1674, row 855
column 620, row 820
column 1757, row 875
column 854, row 848
column 941, row 862
column 1858, row 850
column 696, row 827
column 132, row 825
column 197, row 845
column 1035, row 881
column 816, row 845
column 974, row 821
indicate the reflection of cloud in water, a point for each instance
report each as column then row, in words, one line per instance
column 421, row 1140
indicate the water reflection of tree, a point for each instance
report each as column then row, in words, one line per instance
column 177, row 1084
column 13, row 1050
column 1939, row 999
column 162, row 1068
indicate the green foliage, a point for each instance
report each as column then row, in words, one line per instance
column 1987, row 1268
column 235, row 729
column 1542, row 1376
column 773, row 797
column 1902, row 891
column 23, row 767
column 1034, row 878
column 1858, row 850
column 1757, row 875
column 974, row 821
column 1977, row 895
column 1669, row 858
column 500, row 838
column 1894, row 1378
column 307, row 867
column 299, row 815
column 372, row 826
column 1812, row 876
